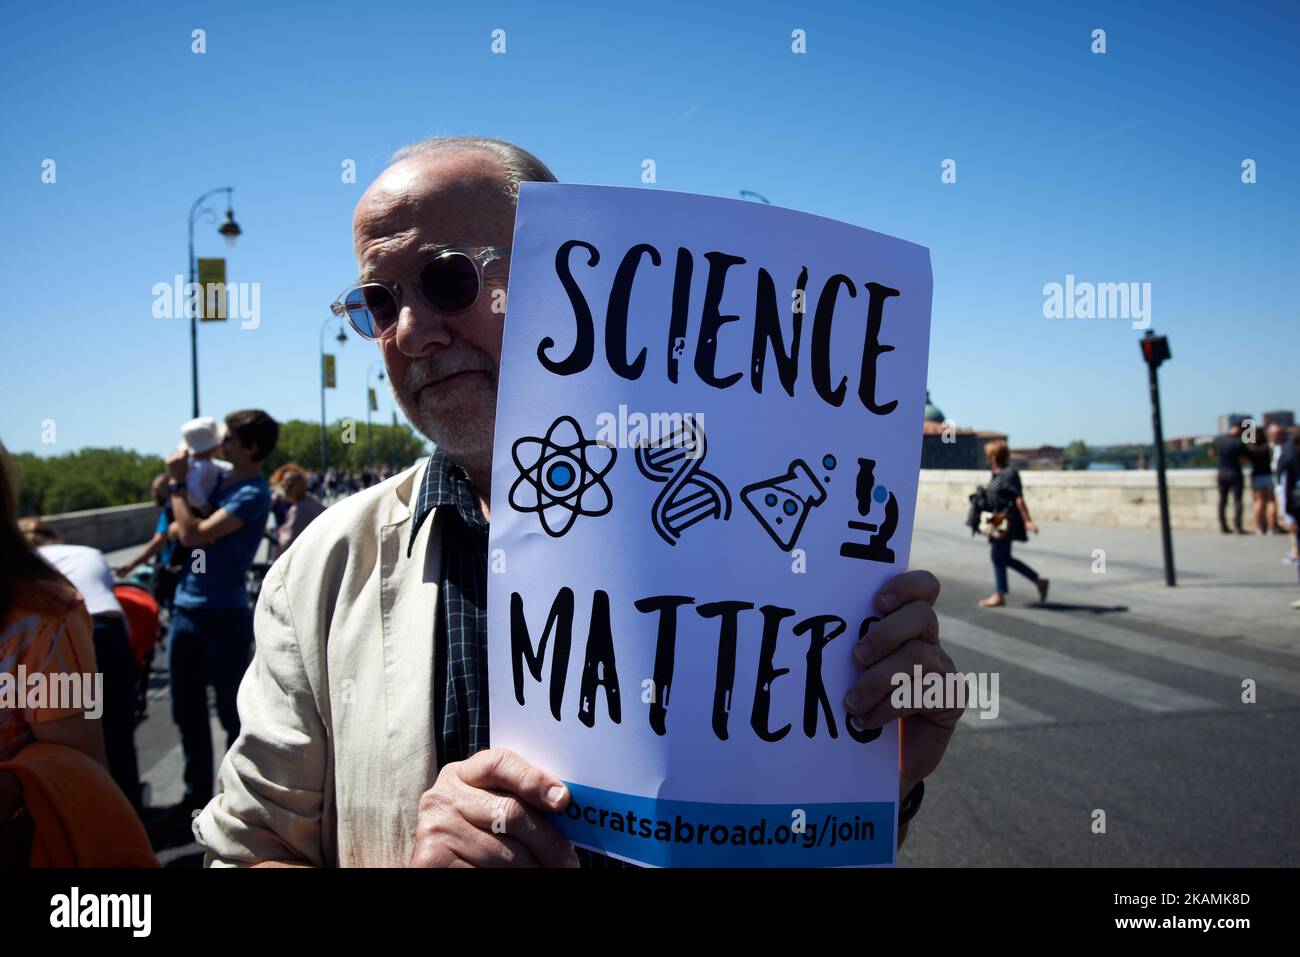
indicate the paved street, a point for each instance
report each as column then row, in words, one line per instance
column 1120, row 694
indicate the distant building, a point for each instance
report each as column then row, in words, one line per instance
column 1232, row 418
column 944, row 446
column 1042, row 458
column 1182, row 443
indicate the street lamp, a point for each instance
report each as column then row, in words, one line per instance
column 758, row 196
column 370, row 449
column 230, row 230
column 340, row 339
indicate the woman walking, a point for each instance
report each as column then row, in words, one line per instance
column 1261, row 484
column 1010, row 520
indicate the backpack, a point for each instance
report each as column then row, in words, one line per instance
column 979, row 505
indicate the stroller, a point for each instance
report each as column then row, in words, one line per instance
column 145, row 627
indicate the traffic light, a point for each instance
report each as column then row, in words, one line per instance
column 1155, row 349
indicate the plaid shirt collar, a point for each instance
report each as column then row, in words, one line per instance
column 444, row 483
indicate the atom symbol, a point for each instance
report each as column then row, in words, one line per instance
column 557, row 480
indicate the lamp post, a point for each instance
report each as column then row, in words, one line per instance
column 758, row 196
column 370, row 447
column 230, row 231
column 340, row 339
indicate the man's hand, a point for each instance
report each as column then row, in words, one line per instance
column 907, row 635
column 488, row 811
column 178, row 466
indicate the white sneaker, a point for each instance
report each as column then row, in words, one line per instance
column 1296, row 604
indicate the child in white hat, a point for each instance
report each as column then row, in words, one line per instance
column 201, row 437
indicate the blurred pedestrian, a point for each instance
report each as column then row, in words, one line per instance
column 89, row 573
column 1010, row 521
column 303, row 506
column 1261, row 484
column 1282, row 524
column 44, row 630
column 155, row 546
column 211, row 624
column 280, row 506
column 201, row 439
column 1230, row 452
column 1288, row 469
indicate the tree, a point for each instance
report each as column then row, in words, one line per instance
column 87, row 478
column 98, row 478
column 395, row 445
column 1077, row 455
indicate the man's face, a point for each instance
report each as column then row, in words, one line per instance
column 443, row 368
column 234, row 451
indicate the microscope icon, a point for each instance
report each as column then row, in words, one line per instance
column 876, row 548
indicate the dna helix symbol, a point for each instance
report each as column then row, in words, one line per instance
column 690, row 494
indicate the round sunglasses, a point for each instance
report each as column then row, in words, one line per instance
column 450, row 282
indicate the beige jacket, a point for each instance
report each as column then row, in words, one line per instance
column 336, row 744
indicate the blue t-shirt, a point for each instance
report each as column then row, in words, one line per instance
column 168, row 553
column 225, row 562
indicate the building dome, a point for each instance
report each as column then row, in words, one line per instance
column 932, row 411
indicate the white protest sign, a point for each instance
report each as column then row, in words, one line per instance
column 707, row 442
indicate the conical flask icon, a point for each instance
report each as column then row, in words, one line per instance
column 782, row 504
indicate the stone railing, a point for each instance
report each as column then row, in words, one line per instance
column 107, row 528
column 1128, row 498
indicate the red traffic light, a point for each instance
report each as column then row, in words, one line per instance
column 1155, row 349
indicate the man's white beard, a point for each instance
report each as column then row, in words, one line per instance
column 466, row 436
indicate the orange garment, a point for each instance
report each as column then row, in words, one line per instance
column 141, row 611
column 82, row 819
column 47, row 630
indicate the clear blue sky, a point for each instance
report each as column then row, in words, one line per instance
column 1116, row 167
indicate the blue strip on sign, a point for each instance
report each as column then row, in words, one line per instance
column 668, row 833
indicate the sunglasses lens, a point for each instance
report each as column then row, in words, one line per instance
column 450, row 282
column 371, row 310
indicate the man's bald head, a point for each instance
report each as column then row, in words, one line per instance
column 519, row 164
column 443, row 368
column 457, row 197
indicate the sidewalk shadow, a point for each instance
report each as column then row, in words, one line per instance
column 1093, row 609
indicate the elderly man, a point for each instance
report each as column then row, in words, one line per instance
column 365, row 738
